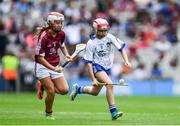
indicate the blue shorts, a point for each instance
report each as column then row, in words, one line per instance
column 97, row 68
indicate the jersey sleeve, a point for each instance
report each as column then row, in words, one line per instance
column 40, row 47
column 62, row 39
column 117, row 42
column 88, row 56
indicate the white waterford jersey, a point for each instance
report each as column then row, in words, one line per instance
column 101, row 51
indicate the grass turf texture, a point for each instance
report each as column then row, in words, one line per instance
column 26, row 109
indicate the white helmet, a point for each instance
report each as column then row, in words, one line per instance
column 100, row 24
column 54, row 16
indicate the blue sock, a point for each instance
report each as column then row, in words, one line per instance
column 112, row 108
column 80, row 89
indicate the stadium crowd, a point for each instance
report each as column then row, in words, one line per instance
column 150, row 28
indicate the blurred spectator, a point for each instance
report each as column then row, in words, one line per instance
column 23, row 6
column 73, row 33
column 102, row 8
column 3, row 39
column 43, row 7
column 112, row 18
column 142, row 43
column 156, row 72
column 30, row 40
column 21, row 36
column 174, row 62
column 72, row 11
column 139, row 73
column 130, row 28
column 162, row 45
column 83, row 36
column 171, row 34
column 10, row 26
column 10, row 70
column 85, row 15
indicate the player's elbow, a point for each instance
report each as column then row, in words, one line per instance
column 39, row 58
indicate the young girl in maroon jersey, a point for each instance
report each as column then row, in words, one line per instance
column 47, row 69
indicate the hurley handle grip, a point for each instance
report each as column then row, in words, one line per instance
column 65, row 63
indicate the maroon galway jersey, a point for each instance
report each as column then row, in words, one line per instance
column 47, row 46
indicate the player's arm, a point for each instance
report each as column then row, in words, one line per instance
column 125, row 58
column 44, row 62
column 64, row 50
column 91, row 73
column 120, row 45
column 67, row 57
column 88, row 58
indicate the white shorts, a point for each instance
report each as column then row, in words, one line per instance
column 43, row 72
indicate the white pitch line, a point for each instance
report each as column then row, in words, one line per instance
column 62, row 113
column 82, row 113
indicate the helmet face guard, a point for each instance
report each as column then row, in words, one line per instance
column 100, row 27
column 55, row 20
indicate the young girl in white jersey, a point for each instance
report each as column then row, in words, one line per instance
column 99, row 55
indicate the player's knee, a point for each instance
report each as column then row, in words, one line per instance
column 95, row 93
column 64, row 91
column 109, row 87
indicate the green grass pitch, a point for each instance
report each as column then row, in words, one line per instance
column 26, row 109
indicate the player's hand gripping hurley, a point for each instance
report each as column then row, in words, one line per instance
column 79, row 48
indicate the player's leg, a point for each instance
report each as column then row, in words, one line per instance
column 43, row 74
column 61, row 85
column 103, row 77
column 50, row 90
column 92, row 90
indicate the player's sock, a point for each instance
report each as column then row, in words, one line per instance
column 48, row 113
column 80, row 89
column 114, row 112
column 49, row 116
column 112, row 109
